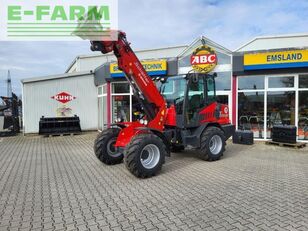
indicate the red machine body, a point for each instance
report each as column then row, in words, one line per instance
column 154, row 104
column 170, row 121
column 171, row 116
column 209, row 115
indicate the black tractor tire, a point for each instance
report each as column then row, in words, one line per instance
column 145, row 155
column 213, row 143
column 177, row 148
column 104, row 149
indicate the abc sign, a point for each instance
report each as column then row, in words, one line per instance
column 203, row 59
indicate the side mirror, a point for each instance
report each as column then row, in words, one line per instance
column 163, row 80
column 195, row 79
column 210, row 81
column 193, row 76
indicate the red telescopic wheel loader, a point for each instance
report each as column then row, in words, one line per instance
column 188, row 118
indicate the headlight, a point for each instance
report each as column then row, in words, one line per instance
column 144, row 122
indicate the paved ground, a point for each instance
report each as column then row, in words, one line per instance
column 57, row 183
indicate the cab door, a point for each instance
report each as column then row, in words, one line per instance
column 201, row 92
column 195, row 100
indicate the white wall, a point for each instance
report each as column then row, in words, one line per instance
column 37, row 101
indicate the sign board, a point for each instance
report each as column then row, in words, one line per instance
column 63, row 97
column 274, row 60
column 203, row 59
column 153, row 68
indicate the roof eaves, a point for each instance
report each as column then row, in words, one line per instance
column 72, row 64
column 217, row 45
column 271, row 37
column 53, row 77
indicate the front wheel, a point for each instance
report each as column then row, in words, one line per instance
column 104, row 147
column 213, row 142
column 145, row 155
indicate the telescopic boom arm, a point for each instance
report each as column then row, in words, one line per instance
column 152, row 101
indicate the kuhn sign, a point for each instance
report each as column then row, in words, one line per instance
column 203, row 59
column 63, row 97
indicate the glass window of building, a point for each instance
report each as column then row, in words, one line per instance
column 120, row 108
column 100, row 113
column 251, row 112
column 251, row 83
column 282, row 104
column 303, row 81
column 105, row 89
column 118, row 88
column 303, row 115
column 280, row 109
column 100, row 91
column 105, row 121
column 281, row 82
column 102, row 107
column 223, row 81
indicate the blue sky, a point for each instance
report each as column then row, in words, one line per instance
column 160, row 23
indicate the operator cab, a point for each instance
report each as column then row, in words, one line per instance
column 189, row 94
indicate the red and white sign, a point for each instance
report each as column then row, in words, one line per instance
column 203, row 59
column 63, row 97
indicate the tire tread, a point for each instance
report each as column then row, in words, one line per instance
column 99, row 144
column 203, row 152
column 131, row 153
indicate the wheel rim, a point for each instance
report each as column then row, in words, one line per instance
column 150, row 156
column 111, row 149
column 215, row 144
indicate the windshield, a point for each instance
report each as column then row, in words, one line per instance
column 211, row 95
column 173, row 88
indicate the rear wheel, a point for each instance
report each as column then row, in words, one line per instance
column 213, row 142
column 145, row 155
column 104, row 147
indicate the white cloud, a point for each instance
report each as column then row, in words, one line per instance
column 230, row 23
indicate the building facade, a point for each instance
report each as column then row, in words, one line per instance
column 271, row 75
column 60, row 96
column 264, row 82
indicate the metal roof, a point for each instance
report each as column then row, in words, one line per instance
column 208, row 42
column 111, row 54
column 275, row 42
column 52, row 77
